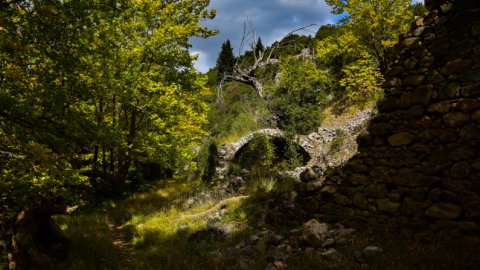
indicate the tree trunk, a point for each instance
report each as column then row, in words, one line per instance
column 38, row 243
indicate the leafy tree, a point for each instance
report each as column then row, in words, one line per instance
column 225, row 61
column 325, row 31
column 90, row 87
column 375, row 24
column 418, row 9
column 296, row 100
column 356, row 52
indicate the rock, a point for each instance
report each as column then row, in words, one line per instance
column 449, row 90
column 456, row 119
column 402, row 138
column 413, row 208
column 377, row 190
column 331, row 255
column 471, row 204
column 413, row 80
column 441, row 107
column 359, row 179
column 360, row 201
column 386, row 205
column 236, row 183
column 280, row 265
column 471, row 90
column 371, row 253
column 476, row 116
column 407, row 177
column 467, row 105
column 315, row 184
column 409, row 43
column 422, row 94
column 444, row 210
column 308, row 175
column 456, row 66
column 314, row 232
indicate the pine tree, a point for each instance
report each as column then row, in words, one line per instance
column 259, row 46
column 225, row 61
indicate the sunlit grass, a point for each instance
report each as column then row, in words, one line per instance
column 157, row 224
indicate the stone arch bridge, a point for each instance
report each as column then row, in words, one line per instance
column 315, row 144
column 226, row 152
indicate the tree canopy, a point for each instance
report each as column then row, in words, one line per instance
column 88, row 88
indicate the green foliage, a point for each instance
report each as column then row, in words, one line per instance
column 89, row 88
column 375, row 24
column 225, row 61
column 337, row 141
column 361, row 80
column 240, row 113
column 326, row 31
column 418, row 9
column 296, row 100
column 355, row 51
column 259, row 46
column 291, row 45
column 258, row 154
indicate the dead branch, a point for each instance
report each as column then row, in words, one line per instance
column 247, row 74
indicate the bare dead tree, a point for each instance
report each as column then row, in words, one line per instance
column 246, row 73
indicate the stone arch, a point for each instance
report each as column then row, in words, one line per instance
column 227, row 152
column 279, row 143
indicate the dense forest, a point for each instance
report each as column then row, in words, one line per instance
column 110, row 138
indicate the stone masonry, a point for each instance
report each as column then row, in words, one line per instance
column 418, row 166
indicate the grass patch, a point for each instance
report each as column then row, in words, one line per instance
column 157, row 226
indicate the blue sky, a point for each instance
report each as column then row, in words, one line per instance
column 272, row 19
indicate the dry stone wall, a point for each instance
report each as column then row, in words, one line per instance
column 418, row 166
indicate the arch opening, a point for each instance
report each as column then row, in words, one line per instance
column 284, row 155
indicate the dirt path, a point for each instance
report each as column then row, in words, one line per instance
column 126, row 250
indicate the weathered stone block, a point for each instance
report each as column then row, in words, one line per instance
column 416, row 111
column 376, row 190
column 444, row 210
column 413, row 208
column 407, row 177
column 342, row 200
column 449, row 91
column 386, row 205
column 422, row 94
column 460, row 170
column 476, row 116
column 414, row 80
column 456, row 66
column 441, row 107
column 387, row 105
column 471, row 205
column 456, row 119
column 402, row 138
column 380, row 173
column 409, row 43
column 471, row 90
column 360, row 179
column 392, row 82
column 467, row 105
column 360, row 201
column 406, row 99
column 393, row 72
